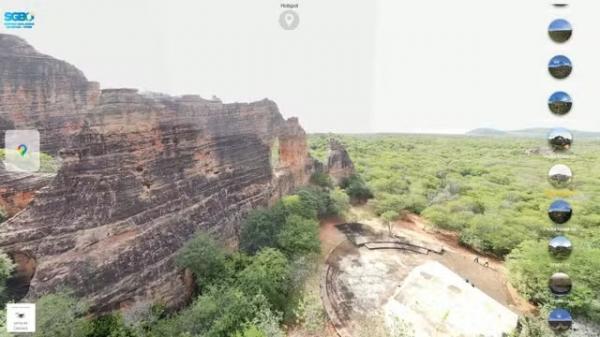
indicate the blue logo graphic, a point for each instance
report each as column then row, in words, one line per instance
column 18, row 20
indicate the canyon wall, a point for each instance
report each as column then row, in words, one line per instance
column 140, row 175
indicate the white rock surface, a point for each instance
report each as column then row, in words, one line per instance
column 439, row 303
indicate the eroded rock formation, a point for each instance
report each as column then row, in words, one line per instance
column 140, row 175
column 339, row 165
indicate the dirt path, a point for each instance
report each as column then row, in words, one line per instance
column 329, row 235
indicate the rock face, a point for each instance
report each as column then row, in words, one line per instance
column 40, row 92
column 140, row 175
column 17, row 189
column 339, row 164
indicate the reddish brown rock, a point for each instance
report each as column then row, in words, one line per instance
column 17, row 190
column 141, row 173
column 40, row 92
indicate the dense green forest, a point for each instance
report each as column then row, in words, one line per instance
column 495, row 193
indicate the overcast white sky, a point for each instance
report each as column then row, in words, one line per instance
column 350, row 66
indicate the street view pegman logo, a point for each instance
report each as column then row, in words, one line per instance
column 18, row 20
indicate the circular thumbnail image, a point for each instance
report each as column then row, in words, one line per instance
column 560, row 176
column 560, row 103
column 560, row 320
column 560, row 247
column 560, row 211
column 560, row 139
column 560, row 284
column 560, row 30
column 560, row 67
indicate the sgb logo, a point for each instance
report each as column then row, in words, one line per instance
column 18, row 16
column 19, row 19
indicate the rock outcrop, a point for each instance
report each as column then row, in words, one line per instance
column 140, row 175
column 339, row 165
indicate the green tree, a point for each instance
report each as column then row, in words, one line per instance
column 299, row 236
column 389, row 217
column 356, row 188
column 219, row 312
column 269, row 275
column 340, row 202
column 260, row 229
column 317, row 198
column 295, row 205
column 204, row 258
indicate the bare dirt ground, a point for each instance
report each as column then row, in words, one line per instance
column 458, row 258
column 330, row 236
column 384, row 265
column 461, row 260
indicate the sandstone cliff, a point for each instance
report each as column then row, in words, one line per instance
column 140, row 175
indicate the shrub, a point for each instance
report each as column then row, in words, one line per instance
column 267, row 324
column 310, row 313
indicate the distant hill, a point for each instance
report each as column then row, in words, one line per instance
column 486, row 132
column 527, row 133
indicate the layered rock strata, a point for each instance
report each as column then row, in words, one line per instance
column 140, row 175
